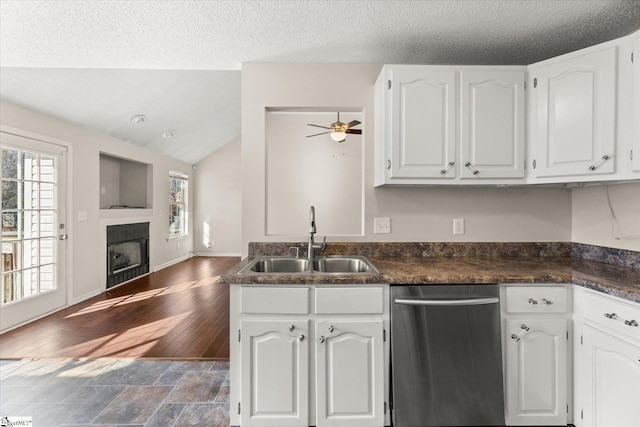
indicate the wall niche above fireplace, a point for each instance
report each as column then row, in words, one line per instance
column 125, row 184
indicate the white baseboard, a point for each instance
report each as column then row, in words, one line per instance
column 209, row 254
column 170, row 263
column 86, row 296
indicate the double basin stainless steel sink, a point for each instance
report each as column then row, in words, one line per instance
column 322, row 265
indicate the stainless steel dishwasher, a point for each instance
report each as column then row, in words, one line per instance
column 446, row 358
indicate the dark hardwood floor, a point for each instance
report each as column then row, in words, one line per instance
column 179, row 312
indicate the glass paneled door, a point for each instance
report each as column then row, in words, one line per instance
column 33, row 229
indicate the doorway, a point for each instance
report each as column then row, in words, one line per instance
column 33, row 229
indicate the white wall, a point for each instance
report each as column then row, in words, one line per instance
column 87, row 265
column 417, row 214
column 592, row 222
column 217, row 202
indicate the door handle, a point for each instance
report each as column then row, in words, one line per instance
column 472, row 301
column 63, row 236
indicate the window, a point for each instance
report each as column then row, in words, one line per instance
column 178, row 190
column 29, row 201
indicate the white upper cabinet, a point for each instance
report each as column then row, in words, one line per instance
column 492, row 124
column 577, row 121
column 449, row 125
column 423, row 120
column 635, row 146
column 576, row 114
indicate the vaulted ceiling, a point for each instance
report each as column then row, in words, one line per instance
column 96, row 63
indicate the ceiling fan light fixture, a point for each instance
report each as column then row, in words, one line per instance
column 338, row 136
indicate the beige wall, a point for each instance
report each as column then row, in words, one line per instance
column 417, row 214
column 592, row 222
column 87, row 243
column 217, row 202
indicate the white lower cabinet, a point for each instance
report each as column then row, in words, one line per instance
column 309, row 356
column 536, row 353
column 276, row 363
column 612, row 381
column 536, row 371
column 609, row 354
column 349, row 392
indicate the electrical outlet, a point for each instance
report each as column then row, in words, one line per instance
column 458, row 226
column 382, row 225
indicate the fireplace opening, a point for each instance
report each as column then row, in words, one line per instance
column 127, row 252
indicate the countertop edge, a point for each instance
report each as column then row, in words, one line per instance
column 579, row 272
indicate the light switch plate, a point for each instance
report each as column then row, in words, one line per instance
column 382, row 225
column 458, row 226
column 82, row 215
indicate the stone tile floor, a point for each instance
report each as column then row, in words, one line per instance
column 116, row 392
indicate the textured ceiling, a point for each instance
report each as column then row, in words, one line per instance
column 39, row 39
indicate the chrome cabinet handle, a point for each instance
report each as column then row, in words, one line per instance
column 522, row 333
column 599, row 162
column 449, row 166
column 292, row 328
column 388, row 164
column 532, row 301
column 324, row 338
column 546, row 301
column 473, row 171
column 614, row 316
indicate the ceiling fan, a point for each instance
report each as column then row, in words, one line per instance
column 338, row 130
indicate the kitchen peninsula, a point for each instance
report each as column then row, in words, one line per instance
column 564, row 287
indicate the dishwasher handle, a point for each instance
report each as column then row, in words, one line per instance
column 447, row 302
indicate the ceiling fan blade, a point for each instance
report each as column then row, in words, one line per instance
column 318, row 126
column 353, row 123
column 354, row 131
column 316, row 134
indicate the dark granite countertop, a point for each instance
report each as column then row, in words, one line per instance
column 612, row 279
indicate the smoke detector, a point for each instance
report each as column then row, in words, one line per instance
column 139, row 119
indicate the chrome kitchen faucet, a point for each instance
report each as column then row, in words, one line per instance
column 311, row 253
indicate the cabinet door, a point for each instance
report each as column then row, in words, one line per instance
column 636, row 103
column 350, row 374
column 536, row 371
column 612, row 392
column 492, row 124
column 576, row 122
column 423, row 138
column 275, row 373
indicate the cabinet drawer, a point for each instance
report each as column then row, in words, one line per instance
column 536, row 299
column 259, row 300
column 349, row 300
column 619, row 316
